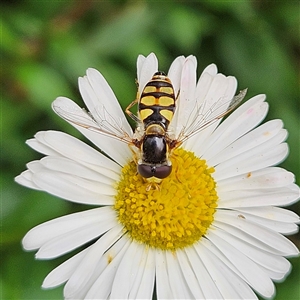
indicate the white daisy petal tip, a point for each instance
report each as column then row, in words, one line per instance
column 146, row 67
column 191, row 59
column 211, row 69
column 19, row 179
column 28, row 243
column 61, row 101
column 92, row 72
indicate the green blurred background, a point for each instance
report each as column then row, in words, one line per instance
column 47, row 45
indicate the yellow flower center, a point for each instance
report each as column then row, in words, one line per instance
column 178, row 213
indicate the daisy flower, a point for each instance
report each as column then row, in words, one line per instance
column 211, row 230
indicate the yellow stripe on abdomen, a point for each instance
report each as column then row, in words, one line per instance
column 167, row 114
column 144, row 113
column 149, row 89
column 165, row 101
column 166, row 89
column 148, row 100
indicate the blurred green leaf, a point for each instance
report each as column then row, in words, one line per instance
column 9, row 39
column 43, row 83
column 24, row 277
column 131, row 24
column 184, row 28
column 63, row 53
column 28, row 207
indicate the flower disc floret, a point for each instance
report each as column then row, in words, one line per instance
column 178, row 213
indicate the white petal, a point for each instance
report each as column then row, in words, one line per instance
column 68, row 166
column 35, row 166
column 146, row 69
column 268, row 153
column 204, row 83
column 244, row 111
column 45, row 232
column 71, row 240
column 273, row 213
column 228, row 282
column 189, row 275
column 64, row 271
column 267, row 260
column 206, row 282
column 65, row 187
column 105, row 98
column 175, row 72
column 70, row 171
column 163, row 288
column 103, row 130
column 241, row 125
column 145, row 288
column 276, row 276
column 101, row 288
column 259, row 197
column 139, row 64
column 41, row 147
column 212, row 102
column 219, row 94
column 273, row 241
column 99, row 268
column 248, row 141
column 188, row 81
column 281, row 227
column 177, row 281
column 125, row 274
column 211, row 70
column 138, row 267
column 115, row 149
column 185, row 103
column 25, row 178
column 77, row 150
column 100, row 188
column 85, row 269
column 255, row 276
column 202, row 88
column 265, row 155
column 251, row 239
column 272, row 177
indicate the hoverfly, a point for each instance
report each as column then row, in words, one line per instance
column 152, row 142
column 156, row 107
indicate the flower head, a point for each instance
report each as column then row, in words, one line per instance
column 209, row 230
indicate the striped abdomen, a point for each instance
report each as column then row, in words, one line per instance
column 157, row 101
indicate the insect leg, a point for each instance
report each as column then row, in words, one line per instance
column 176, row 165
column 177, row 96
column 135, row 150
column 129, row 113
column 153, row 186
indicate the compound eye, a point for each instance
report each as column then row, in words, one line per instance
column 145, row 170
column 163, row 171
column 160, row 172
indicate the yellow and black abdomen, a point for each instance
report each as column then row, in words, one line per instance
column 157, row 101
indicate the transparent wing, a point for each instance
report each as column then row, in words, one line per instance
column 103, row 124
column 205, row 117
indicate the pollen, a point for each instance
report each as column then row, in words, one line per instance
column 175, row 215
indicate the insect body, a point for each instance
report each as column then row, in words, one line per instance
column 156, row 107
column 151, row 143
